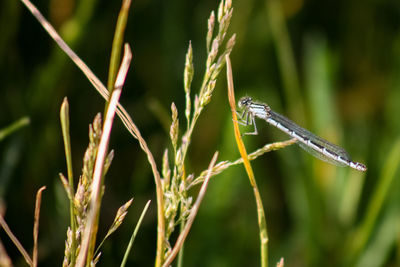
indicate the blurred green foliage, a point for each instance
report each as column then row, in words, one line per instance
column 331, row 66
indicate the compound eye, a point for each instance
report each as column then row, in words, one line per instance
column 244, row 101
column 241, row 102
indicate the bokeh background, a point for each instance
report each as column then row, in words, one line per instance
column 331, row 66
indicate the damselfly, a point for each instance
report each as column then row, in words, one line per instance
column 311, row 143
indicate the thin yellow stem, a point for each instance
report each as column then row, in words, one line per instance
column 262, row 224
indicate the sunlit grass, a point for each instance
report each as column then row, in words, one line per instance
column 327, row 78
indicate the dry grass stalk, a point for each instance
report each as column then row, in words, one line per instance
column 36, row 226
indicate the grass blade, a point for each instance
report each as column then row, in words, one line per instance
column 36, row 226
column 16, row 242
column 88, row 240
column 117, row 43
column 262, row 223
column 128, row 249
column 13, row 127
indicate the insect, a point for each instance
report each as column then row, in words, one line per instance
column 311, row 143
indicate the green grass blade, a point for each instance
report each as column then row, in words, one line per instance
column 128, row 249
column 117, row 44
column 13, row 127
column 64, row 118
